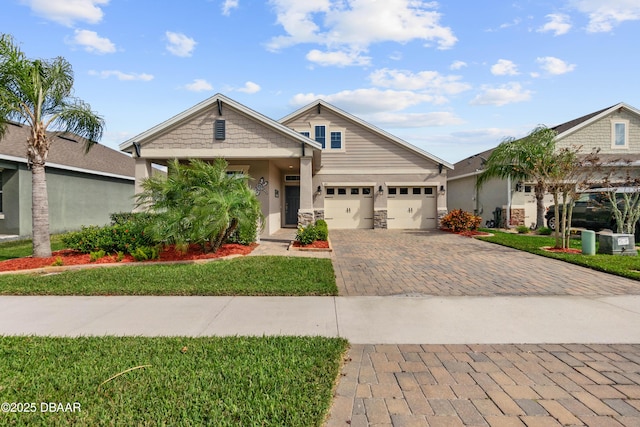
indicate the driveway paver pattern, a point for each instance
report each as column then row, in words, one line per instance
column 489, row 385
column 431, row 262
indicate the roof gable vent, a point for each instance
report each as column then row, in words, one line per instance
column 219, row 133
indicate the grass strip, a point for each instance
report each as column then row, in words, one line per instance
column 255, row 275
column 230, row 381
column 22, row 248
column 625, row 266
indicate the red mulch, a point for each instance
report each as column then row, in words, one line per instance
column 318, row 244
column 469, row 233
column 564, row 251
column 71, row 257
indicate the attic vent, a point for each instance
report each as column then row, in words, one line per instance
column 219, row 130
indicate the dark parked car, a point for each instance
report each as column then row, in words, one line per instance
column 592, row 210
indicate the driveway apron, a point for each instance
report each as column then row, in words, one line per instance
column 421, row 263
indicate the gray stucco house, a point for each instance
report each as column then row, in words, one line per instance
column 83, row 189
column 317, row 162
column 614, row 131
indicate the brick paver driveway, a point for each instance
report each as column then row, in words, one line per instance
column 476, row 385
column 413, row 263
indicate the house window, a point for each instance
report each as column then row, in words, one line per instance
column 305, row 134
column 620, row 134
column 321, row 135
column 336, row 140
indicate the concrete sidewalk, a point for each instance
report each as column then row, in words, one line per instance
column 361, row 320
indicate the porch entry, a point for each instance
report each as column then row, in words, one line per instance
column 291, row 204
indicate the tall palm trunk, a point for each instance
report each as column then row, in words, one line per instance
column 40, row 212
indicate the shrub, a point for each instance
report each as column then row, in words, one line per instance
column 247, row 230
column 145, row 253
column 459, row 220
column 124, row 237
column 545, row 231
column 58, row 262
column 322, row 229
column 307, row 235
column 94, row 256
column 129, row 217
column 522, row 229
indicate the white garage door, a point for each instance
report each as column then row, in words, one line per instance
column 411, row 207
column 348, row 207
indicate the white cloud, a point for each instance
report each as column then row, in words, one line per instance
column 457, row 65
column 503, row 95
column 66, row 12
column 558, row 24
column 199, row 85
column 227, row 5
column 250, row 87
column 340, row 59
column 353, row 26
column 555, row 66
column 121, row 76
column 366, row 101
column 92, row 42
column 504, row 67
column 414, row 120
column 603, row 16
column 180, row 44
column 431, row 81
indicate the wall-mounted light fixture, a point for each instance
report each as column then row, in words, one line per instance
column 442, row 188
column 380, row 190
column 519, row 186
column 319, row 190
column 440, row 166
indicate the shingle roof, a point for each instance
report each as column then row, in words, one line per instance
column 575, row 122
column 471, row 164
column 67, row 152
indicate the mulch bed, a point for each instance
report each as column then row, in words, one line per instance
column 318, row 244
column 71, row 257
column 564, row 251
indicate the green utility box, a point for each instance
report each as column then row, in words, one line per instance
column 617, row 244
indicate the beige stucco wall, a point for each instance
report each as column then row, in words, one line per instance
column 493, row 194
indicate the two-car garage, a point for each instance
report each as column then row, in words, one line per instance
column 408, row 207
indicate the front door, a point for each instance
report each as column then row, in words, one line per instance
column 291, row 204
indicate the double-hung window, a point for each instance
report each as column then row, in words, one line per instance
column 336, row 140
column 321, row 135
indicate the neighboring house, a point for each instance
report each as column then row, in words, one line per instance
column 318, row 162
column 83, row 189
column 614, row 131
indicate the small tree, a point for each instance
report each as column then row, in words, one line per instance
column 199, row 203
column 622, row 191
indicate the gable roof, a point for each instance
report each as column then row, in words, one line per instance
column 572, row 126
column 218, row 100
column 369, row 126
column 473, row 165
column 68, row 152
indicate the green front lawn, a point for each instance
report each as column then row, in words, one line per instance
column 23, row 248
column 254, row 275
column 268, row 381
column 626, row 266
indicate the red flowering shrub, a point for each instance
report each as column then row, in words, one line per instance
column 459, row 220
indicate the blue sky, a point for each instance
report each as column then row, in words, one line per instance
column 451, row 77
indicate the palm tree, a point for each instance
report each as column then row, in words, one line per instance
column 199, row 203
column 529, row 159
column 39, row 93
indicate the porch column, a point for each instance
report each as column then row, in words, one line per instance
column 143, row 171
column 305, row 214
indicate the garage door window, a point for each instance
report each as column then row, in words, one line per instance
column 355, row 191
column 342, row 191
column 428, row 190
column 331, row 191
column 393, row 191
column 404, row 191
column 366, row 191
column 417, row 190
